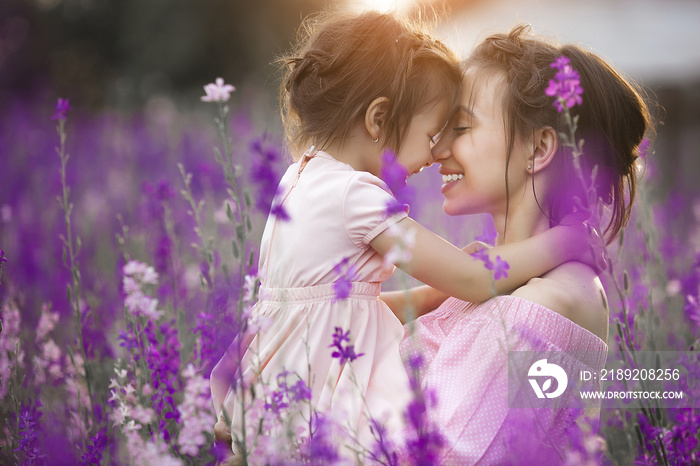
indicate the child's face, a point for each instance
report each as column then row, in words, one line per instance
column 415, row 151
column 473, row 151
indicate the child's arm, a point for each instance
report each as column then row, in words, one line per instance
column 443, row 266
column 421, row 299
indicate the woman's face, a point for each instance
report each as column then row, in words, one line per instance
column 472, row 151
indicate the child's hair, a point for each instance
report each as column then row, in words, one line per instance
column 343, row 62
column 612, row 119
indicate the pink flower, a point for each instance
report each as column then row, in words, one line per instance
column 62, row 108
column 217, row 91
column 566, row 85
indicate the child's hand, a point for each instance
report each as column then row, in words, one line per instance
column 223, row 442
column 584, row 243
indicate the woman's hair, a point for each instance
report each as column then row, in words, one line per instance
column 612, row 120
column 343, row 62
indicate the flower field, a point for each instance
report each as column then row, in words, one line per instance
column 129, row 246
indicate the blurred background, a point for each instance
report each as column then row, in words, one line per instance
column 134, row 70
column 122, row 54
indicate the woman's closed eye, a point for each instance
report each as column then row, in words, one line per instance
column 460, row 129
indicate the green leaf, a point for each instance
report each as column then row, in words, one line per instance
column 246, row 198
column 240, row 233
column 229, row 212
column 236, row 251
column 251, row 257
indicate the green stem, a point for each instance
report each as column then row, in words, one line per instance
column 74, row 287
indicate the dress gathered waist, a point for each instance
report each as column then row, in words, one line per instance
column 358, row 290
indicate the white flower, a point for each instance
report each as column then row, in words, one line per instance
column 131, row 426
column 47, row 322
column 259, row 324
column 131, row 286
column 141, row 272
column 217, row 91
column 143, row 414
column 401, row 251
column 249, row 285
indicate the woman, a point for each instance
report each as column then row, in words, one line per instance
column 502, row 154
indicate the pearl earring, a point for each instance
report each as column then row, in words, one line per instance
column 376, row 139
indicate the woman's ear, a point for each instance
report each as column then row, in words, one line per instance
column 545, row 146
column 375, row 117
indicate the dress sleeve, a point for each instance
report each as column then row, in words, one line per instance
column 369, row 208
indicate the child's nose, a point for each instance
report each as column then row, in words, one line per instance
column 441, row 150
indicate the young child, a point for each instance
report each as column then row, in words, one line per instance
column 356, row 86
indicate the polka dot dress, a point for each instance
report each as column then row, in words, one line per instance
column 465, row 347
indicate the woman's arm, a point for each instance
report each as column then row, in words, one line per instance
column 445, row 267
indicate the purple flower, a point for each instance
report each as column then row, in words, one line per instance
column 344, row 353
column 500, row 269
column 346, row 274
column 692, row 310
column 285, row 394
column 93, row 454
column 383, row 451
column 2, row 261
column 566, row 85
column 643, row 148
column 394, row 175
column 206, row 328
column 62, row 108
column 415, row 361
column 321, row 449
column 163, row 361
column 483, row 256
column 424, row 446
column 128, row 340
column 265, row 176
column 280, row 212
column 28, row 438
column 488, row 236
column 299, row 391
column 217, row 91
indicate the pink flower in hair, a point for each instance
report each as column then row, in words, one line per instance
column 566, row 85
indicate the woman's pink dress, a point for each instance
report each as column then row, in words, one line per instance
column 465, row 349
column 334, row 213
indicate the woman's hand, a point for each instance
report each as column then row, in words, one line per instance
column 475, row 246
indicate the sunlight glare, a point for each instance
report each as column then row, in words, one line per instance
column 382, row 5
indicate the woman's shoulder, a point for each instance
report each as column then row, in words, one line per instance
column 574, row 291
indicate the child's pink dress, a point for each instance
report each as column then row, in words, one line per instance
column 334, row 213
column 465, row 349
